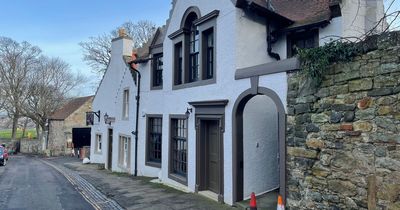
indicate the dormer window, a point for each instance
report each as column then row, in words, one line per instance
column 301, row 40
column 194, row 50
column 158, row 70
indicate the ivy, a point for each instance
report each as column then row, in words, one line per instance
column 314, row 61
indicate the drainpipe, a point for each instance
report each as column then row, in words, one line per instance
column 136, row 132
column 269, row 38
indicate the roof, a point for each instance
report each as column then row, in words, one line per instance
column 69, row 108
column 303, row 12
column 299, row 12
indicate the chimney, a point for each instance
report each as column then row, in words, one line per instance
column 122, row 45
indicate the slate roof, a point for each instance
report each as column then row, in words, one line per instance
column 69, row 108
column 303, row 12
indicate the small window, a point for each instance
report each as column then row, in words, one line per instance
column 178, row 64
column 157, row 70
column 209, row 53
column 154, row 141
column 125, row 108
column 178, row 150
column 98, row 143
column 124, row 151
column 303, row 40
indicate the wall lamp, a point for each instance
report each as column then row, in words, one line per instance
column 188, row 111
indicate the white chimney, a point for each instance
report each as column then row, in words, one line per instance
column 122, row 45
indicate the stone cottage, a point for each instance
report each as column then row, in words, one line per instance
column 212, row 89
column 71, row 115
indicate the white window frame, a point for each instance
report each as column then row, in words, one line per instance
column 124, row 151
column 125, row 104
column 98, row 143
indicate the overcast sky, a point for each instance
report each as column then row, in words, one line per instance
column 57, row 26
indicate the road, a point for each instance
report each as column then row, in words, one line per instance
column 28, row 183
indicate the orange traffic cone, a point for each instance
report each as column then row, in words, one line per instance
column 253, row 202
column 280, row 205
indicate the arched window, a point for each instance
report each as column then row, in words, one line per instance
column 193, row 37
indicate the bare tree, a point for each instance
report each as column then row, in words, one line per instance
column 97, row 50
column 48, row 88
column 17, row 62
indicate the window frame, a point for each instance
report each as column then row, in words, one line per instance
column 125, row 104
column 171, row 175
column 203, row 24
column 154, row 70
column 149, row 162
column 98, row 143
column 296, row 36
column 124, row 157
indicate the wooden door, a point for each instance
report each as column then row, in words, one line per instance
column 212, row 155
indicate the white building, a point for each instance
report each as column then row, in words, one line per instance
column 213, row 94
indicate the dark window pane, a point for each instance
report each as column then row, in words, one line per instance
column 178, row 64
column 157, row 70
column 209, row 62
column 179, row 147
column 155, row 139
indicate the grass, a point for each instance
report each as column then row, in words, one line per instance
column 6, row 134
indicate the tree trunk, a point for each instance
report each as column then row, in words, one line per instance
column 14, row 127
column 24, row 127
column 37, row 131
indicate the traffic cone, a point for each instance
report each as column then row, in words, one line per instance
column 280, row 205
column 253, row 202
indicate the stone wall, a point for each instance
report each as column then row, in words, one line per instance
column 343, row 142
column 30, row 146
column 57, row 140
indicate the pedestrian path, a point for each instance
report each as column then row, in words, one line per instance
column 136, row 192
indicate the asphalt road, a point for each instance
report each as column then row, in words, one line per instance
column 27, row 183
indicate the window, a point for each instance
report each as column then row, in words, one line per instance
column 178, row 149
column 178, row 64
column 124, row 151
column 154, row 141
column 98, row 143
column 194, row 54
column 125, row 108
column 195, row 49
column 303, row 40
column 157, row 70
column 209, row 53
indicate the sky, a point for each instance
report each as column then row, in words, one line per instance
column 57, row 26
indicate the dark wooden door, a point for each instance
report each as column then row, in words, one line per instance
column 110, row 143
column 212, row 155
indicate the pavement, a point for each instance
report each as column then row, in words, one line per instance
column 28, row 183
column 127, row 191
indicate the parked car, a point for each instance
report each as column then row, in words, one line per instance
column 3, row 155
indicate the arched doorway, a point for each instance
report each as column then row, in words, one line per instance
column 269, row 138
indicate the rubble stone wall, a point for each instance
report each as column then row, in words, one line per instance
column 343, row 138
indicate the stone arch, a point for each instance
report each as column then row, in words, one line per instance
column 237, row 139
column 188, row 14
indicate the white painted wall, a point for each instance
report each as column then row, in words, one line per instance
column 241, row 42
column 260, row 146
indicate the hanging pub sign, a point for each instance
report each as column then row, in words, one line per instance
column 90, row 117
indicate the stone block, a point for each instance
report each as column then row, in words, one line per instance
column 312, row 128
column 345, row 188
column 302, row 108
column 336, row 117
column 343, row 107
column 346, row 127
column 301, row 152
column 380, row 92
column 367, row 114
column 349, row 116
column 364, row 103
column 315, row 143
column 384, row 110
column 319, row 118
column 362, row 126
column 360, row 84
